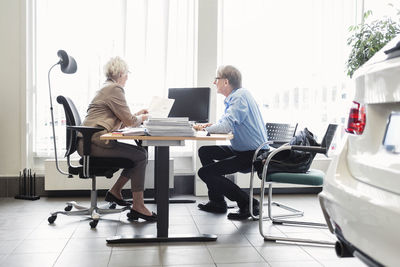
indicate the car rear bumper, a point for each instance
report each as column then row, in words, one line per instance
column 367, row 217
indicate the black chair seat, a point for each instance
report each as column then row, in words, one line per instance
column 119, row 163
column 102, row 166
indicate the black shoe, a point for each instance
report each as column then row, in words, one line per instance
column 111, row 198
column 213, row 206
column 135, row 215
column 243, row 213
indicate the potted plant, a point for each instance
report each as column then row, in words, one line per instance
column 369, row 38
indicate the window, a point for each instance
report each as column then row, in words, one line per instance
column 157, row 38
column 292, row 57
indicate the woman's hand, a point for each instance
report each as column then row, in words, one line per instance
column 144, row 117
column 143, row 111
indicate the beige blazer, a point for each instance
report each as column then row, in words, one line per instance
column 109, row 110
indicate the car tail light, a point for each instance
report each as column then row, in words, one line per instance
column 357, row 119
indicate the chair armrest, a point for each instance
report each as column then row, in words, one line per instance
column 87, row 133
column 316, row 149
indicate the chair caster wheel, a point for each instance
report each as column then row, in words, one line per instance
column 52, row 218
column 68, row 208
column 93, row 223
column 112, row 206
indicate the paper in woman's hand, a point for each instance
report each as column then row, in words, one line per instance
column 160, row 107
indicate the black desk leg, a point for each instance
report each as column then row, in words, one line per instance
column 161, row 172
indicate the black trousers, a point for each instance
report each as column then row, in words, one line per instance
column 218, row 161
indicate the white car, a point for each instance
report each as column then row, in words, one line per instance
column 361, row 194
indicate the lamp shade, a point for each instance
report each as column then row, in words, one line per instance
column 67, row 63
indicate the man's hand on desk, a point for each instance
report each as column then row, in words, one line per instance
column 200, row 127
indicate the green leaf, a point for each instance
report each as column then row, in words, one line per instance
column 366, row 39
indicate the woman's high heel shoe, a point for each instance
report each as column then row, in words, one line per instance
column 121, row 202
column 135, row 215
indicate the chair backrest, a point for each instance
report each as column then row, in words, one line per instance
column 72, row 119
column 280, row 131
column 328, row 137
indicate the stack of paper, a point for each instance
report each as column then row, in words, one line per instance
column 133, row 131
column 169, row 127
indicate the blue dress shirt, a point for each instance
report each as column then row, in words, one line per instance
column 243, row 118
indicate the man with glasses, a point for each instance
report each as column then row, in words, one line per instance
column 242, row 117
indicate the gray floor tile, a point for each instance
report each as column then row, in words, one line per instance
column 222, row 229
column 87, row 244
column 41, row 246
column 2, row 258
column 15, row 234
column 233, row 240
column 283, row 252
column 31, row 260
column 182, row 256
column 321, row 253
column 235, row 255
column 183, row 229
column 345, row 262
column 84, row 259
column 149, row 257
column 211, row 219
column 295, row 264
column 248, row 226
column 103, row 230
column 251, row 264
column 8, row 246
column 180, row 220
column 52, row 232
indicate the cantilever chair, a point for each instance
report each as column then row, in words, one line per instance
column 312, row 178
column 90, row 166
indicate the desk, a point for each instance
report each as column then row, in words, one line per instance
column 161, row 170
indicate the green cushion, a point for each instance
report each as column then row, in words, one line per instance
column 312, row 177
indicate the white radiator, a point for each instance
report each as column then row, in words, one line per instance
column 56, row 181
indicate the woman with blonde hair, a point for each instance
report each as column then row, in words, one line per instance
column 110, row 111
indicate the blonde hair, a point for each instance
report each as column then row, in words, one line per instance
column 232, row 74
column 115, row 67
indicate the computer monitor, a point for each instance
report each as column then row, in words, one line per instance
column 190, row 102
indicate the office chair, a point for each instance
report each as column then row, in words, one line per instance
column 90, row 168
column 312, row 178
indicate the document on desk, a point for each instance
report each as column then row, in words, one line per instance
column 160, row 107
column 132, row 131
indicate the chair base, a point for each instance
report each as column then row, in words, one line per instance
column 293, row 212
column 278, row 220
column 298, row 240
column 93, row 212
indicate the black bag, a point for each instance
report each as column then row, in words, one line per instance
column 289, row 160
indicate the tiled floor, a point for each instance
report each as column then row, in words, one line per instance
column 26, row 239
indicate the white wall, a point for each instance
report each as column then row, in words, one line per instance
column 12, row 90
